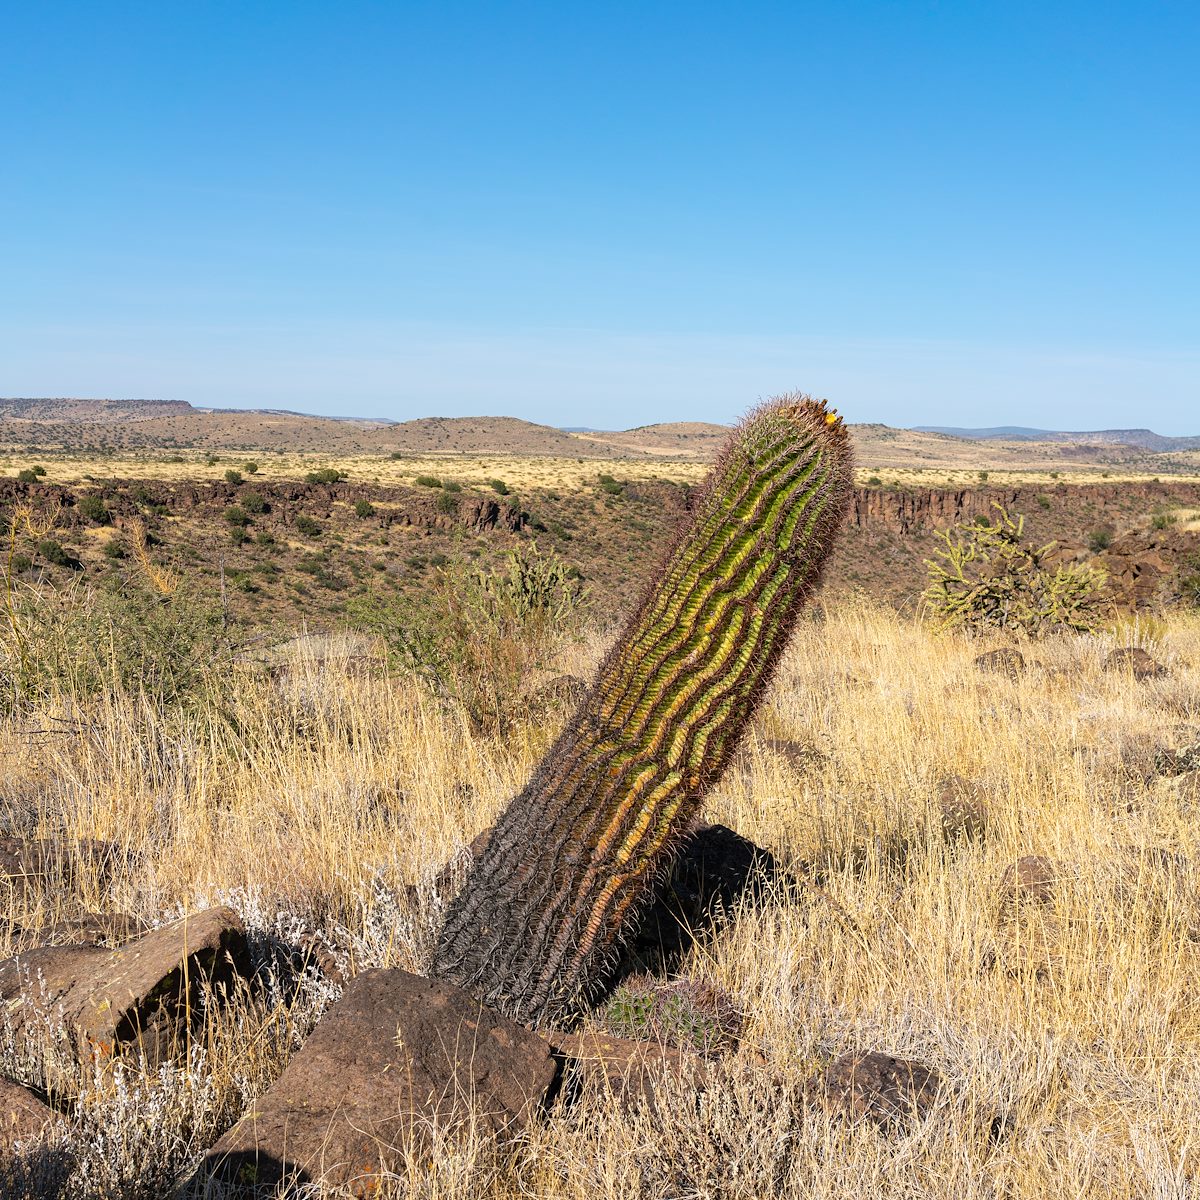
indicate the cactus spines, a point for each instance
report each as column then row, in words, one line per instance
column 537, row 925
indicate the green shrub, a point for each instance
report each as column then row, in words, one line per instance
column 451, row 486
column 238, row 536
column 430, row 481
column 610, row 486
column 446, row 503
column 94, row 509
column 27, row 476
column 21, row 563
column 251, row 468
column 498, row 486
column 174, row 458
column 1099, row 540
column 114, row 549
column 254, row 502
column 237, row 516
column 874, row 481
column 307, row 526
column 475, row 636
column 1162, row 520
column 364, row 508
column 79, row 642
column 989, row 578
column 982, row 476
column 56, row 556
column 263, row 538
column 1043, row 500
column 38, row 469
column 325, row 475
column 233, row 475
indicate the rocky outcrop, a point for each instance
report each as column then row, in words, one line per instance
column 397, row 1064
column 105, row 1001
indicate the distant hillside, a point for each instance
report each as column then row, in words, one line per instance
column 1143, row 439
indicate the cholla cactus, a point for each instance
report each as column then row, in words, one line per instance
column 535, row 928
column 987, row 577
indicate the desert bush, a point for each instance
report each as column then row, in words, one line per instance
column 989, row 577
column 93, row 508
column 27, row 476
column 251, row 468
column 307, row 526
column 254, row 502
column 430, row 481
column 364, row 508
column 236, row 515
column 114, row 548
column 1162, row 520
column 499, row 486
column 56, row 555
column 233, row 475
column 452, row 485
column 325, row 475
column 474, row 636
column 78, row 642
column 1098, row 540
column 610, row 486
column 446, row 503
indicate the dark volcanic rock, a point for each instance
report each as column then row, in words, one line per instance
column 630, row 1071
column 23, row 1115
column 1004, row 661
column 714, row 870
column 1136, row 662
column 1031, row 878
column 395, row 1058
column 105, row 1000
column 889, row 1092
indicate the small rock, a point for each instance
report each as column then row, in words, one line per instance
column 23, row 1115
column 889, row 1092
column 627, row 1070
column 396, row 1058
column 1002, row 661
column 105, row 1000
column 963, row 808
column 1135, row 661
column 1031, row 878
column 714, row 870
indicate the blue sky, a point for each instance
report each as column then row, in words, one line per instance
column 607, row 214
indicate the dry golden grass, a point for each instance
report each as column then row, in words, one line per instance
column 537, row 473
column 1079, row 1024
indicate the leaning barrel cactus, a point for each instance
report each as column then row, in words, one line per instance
column 536, row 927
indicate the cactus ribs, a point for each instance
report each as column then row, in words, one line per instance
column 535, row 929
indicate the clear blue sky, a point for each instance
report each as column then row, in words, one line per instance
column 607, row 214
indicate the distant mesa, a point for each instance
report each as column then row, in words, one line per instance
column 1142, row 439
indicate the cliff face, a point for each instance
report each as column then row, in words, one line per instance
column 892, row 534
column 926, row 509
